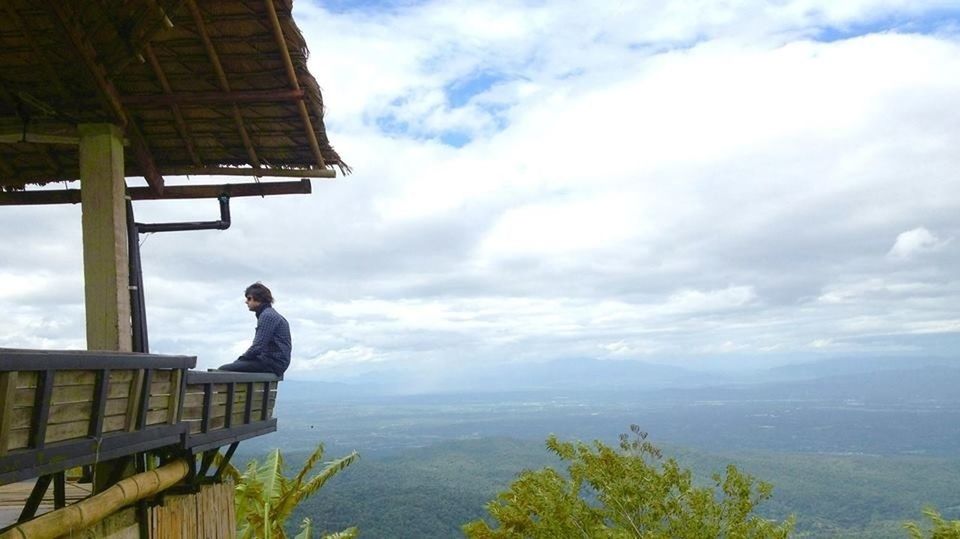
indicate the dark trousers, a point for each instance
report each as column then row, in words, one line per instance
column 246, row 365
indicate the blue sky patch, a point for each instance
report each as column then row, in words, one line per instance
column 367, row 6
column 390, row 125
column 461, row 91
column 928, row 23
column 455, row 139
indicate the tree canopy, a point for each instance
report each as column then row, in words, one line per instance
column 626, row 491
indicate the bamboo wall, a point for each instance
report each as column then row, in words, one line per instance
column 208, row 514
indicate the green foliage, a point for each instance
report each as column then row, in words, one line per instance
column 266, row 498
column 626, row 492
column 429, row 492
column 942, row 528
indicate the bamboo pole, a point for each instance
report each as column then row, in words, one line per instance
column 88, row 512
column 174, row 108
column 222, row 79
column 294, row 83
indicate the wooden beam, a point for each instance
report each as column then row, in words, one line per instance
column 72, row 196
column 108, row 93
column 232, row 190
column 211, row 98
column 222, row 79
column 256, row 172
column 294, row 83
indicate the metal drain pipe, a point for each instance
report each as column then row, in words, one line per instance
column 222, row 224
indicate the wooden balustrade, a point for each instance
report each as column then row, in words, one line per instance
column 63, row 409
column 225, row 407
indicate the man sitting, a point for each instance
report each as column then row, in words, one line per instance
column 270, row 351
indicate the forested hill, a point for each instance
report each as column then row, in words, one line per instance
column 429, row 492
column 852, row 452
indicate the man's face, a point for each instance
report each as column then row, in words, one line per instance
column 252, row 304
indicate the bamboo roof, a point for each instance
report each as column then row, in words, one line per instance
column 198, row 86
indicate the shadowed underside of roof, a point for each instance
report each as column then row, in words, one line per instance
column 196, row 85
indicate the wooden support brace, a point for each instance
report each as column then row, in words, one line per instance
column 59, row 490
column 35, row 498
column 205, row 464
column 225, row 461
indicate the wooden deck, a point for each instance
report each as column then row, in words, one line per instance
column 64, row 409
column 13, row 498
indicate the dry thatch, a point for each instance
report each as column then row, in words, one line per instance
column 195, row 84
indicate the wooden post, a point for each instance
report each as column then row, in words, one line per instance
column 105, row 265
column 106, row 271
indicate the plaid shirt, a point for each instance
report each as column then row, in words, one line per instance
column 272, row 343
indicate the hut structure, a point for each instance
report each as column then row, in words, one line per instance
column 98, row 92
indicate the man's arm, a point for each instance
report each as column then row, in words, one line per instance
column 266, row 328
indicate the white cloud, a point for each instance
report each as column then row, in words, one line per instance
column 671, row 180
column 822, row 343
column 334, row 358
column 915, row 242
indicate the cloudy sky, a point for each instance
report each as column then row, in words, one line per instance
column 698, row 183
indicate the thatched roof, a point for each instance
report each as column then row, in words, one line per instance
column 196, row 84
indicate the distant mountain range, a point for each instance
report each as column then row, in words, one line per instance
column 858, row 377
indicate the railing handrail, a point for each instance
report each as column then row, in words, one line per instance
column 16, row 359
column 227, row 377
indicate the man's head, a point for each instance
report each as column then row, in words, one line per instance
column 256, row 295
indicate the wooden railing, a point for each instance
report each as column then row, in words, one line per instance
column 64, row 409
column 220, row 408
